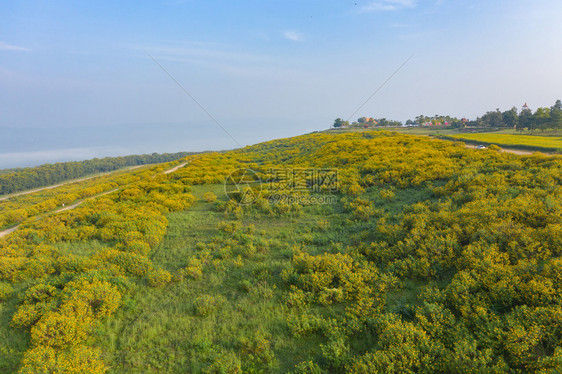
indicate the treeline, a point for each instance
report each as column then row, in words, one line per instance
column 22, row 179
column 542, row 118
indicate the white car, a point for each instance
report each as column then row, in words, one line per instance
column 481, row 147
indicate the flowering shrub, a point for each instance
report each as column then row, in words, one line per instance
column 77, row 359
column 209, row 197
column 59, row 330
column 195, row 269
column 159, row 278
column 461, row 273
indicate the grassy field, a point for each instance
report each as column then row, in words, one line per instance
column 448, row 131
column 429, row 258
column 544, row 143
column 507, row 138
column 160, row 330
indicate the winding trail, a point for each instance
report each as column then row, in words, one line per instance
column 176, row 168
column 70, row 207
column 78, row 203
column 69, row 182
column 12, row 229
column 8, row 231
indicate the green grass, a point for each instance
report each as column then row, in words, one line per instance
column 158, row 329
column 81, row 249
column 13, row 342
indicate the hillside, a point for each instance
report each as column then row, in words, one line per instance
column 364, row 252
column 21, row 179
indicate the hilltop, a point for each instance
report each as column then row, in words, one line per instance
column 358, row 252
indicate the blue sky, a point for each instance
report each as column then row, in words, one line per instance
column 263, row 69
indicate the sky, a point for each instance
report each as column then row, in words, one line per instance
column 104, row 78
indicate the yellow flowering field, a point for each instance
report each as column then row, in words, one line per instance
column 547, row 143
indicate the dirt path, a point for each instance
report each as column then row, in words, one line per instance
column 68, row 182
column 12, row 229
column 78, row 203
column 176, row 168
column 47, row 188
column 8, row 231
column 514, row 151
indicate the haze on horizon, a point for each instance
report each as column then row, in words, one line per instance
column 77, row 80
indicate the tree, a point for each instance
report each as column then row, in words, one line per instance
column 421, row 119
column 383, row 122
column 541, row 118
column 525, row 119
column 340, row 123
column 510, row 117
column 556, row 115
column 492, row 119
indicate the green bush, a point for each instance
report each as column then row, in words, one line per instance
column 259, row 356
column 225, row 363
column 307, row 367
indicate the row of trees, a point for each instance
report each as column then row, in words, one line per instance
column 542, row 119
column 22, row 179
column 421, row 120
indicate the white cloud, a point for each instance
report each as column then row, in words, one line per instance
column 199, row 51
column 8, row 47
column 293, row 35
column 388, row 5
